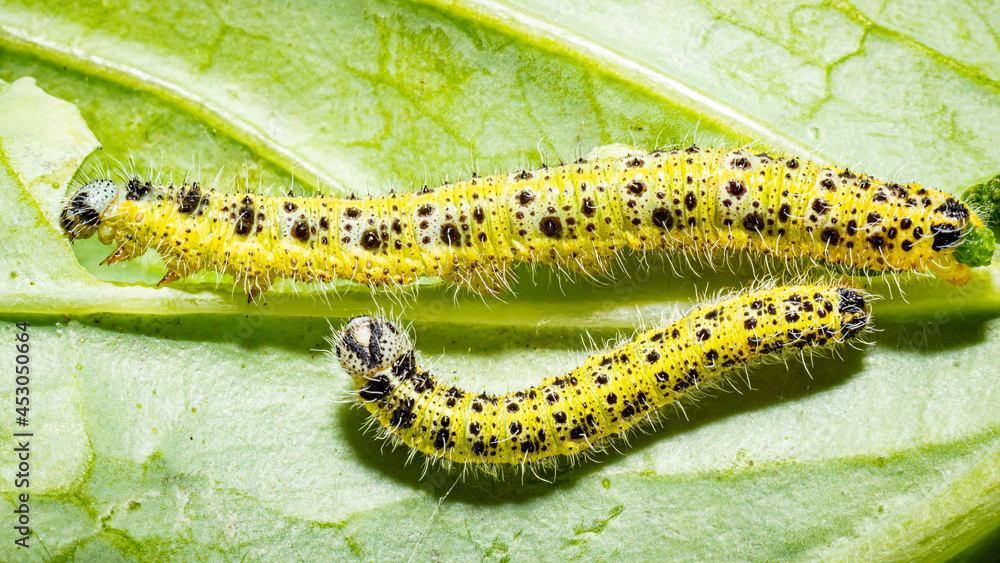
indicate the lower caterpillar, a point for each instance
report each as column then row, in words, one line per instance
column 610, row 393
column 575, row 216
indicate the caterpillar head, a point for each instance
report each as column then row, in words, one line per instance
column 958, row 230
column 82, row 215
column 854, row 308
column 368, row 345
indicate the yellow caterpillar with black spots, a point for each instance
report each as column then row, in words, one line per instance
column 610, row 393
column 575, row 216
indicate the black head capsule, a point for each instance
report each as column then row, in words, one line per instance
column 82, row 215
column 853, row 307
column 367, row 345
column 851, row 301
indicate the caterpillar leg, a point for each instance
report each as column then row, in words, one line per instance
column 180, row 267
column 123, row 253
column 958, row 275
column 253, row 293
column 255, row 283
column 587, row 265
column 256, row 287
column 480, row 277
column 170, row 277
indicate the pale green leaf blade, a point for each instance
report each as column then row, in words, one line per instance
column 200, row 428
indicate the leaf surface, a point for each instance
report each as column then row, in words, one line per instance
column 182, row 423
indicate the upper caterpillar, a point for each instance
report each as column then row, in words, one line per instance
column 575, row 216
column 611, row 392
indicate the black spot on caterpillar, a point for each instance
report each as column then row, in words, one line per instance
column 576, row 216
column 610, row 393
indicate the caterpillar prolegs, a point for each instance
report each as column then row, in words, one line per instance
column 575, row 216
column 577, row 413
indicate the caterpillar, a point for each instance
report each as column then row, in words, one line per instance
column 574, row 216
column 577, row 413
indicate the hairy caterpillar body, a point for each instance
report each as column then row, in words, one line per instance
column 576, row 216
column 576, row 413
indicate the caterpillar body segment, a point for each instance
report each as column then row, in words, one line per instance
column 576, row 216
column 610, row 393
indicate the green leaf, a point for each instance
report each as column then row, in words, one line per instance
column 181, row 423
